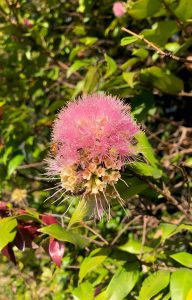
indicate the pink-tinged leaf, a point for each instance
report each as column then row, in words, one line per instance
column 3, row 205
column 28, row 233
column 48, row 219
column 19, row 241
column 56, row 250
column 8, row 252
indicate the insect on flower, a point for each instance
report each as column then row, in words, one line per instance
column 92, row 139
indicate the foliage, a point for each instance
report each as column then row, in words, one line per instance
column 51, row 52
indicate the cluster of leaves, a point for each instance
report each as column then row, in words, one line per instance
column 52, row 51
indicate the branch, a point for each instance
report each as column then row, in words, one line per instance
column 166, row 193
column 156, row 48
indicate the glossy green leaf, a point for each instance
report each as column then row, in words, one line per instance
column 84, row 291
column 123, row 282
column 184, row 10
column 7, row 230
column 162, row 80
column 145, row 147
column 134, row 187
column 141, row 9
column 180, row 284
column 183, row 258
column 79, row 213
column 145, row 169
column 77, row 65
column 61, row 234
column 128, row 40
column 129, row 78
column 95, row 258
column 135, row 247
column 153, row 284
column 91, row 79
column 14, row 163
column 167, row 230
column 111, row 66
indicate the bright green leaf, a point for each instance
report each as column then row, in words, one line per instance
column 95, row 258
column 129, row 78
column 61, row 234
column 180, row 284
column 84, row 291
column 184, row 10
column 79, row 213
column 111, row 66
column 141, row 9
column 128, row 40
column 7, row 230
column 183, row 258
column 123, row 282
column 153, row 284
column 14, row 163
column 135, row 247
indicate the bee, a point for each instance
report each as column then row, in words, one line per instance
column 54, row 148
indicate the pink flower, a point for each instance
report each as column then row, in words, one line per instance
column 27, row 23
column 119, row 9
column 92, row 139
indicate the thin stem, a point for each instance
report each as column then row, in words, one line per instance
column 95, row 232
column 166, row 193
column 156, row 48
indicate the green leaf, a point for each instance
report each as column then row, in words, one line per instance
column 89, row 40
column 162, row 80
column 159, row 34
column 184, row 10
column 7, row 230
column 180, row 284
column 95, row 258
column 129, row 78
column 123, row 282
column 85, row 291
column 153, row 284
column 141, row 106
column 135, row 247
column 145, row 147
column 167, row 230
column 78, row 215
column 91, row 80
column 146, row 170
column 141, row 9
column 61, row 234
column 135, row 187
column 111, row 66
column 77, row 65
column 128, row 40
column 14, row 163
column 183, row 258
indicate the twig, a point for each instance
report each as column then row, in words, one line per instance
column 164, row 193
column 156, row 48
column 32, row 165
column 173, row 15
column 145, row 219
column 124, row 229
column 95, row 232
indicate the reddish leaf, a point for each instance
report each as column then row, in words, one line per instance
column 8, row 252
column 27, row 233
column 56, row 250
column 19, row 241
column 48, row 219
column 3, row 205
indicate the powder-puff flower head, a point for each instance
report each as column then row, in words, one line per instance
column 92, row 139
column 119, row 9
